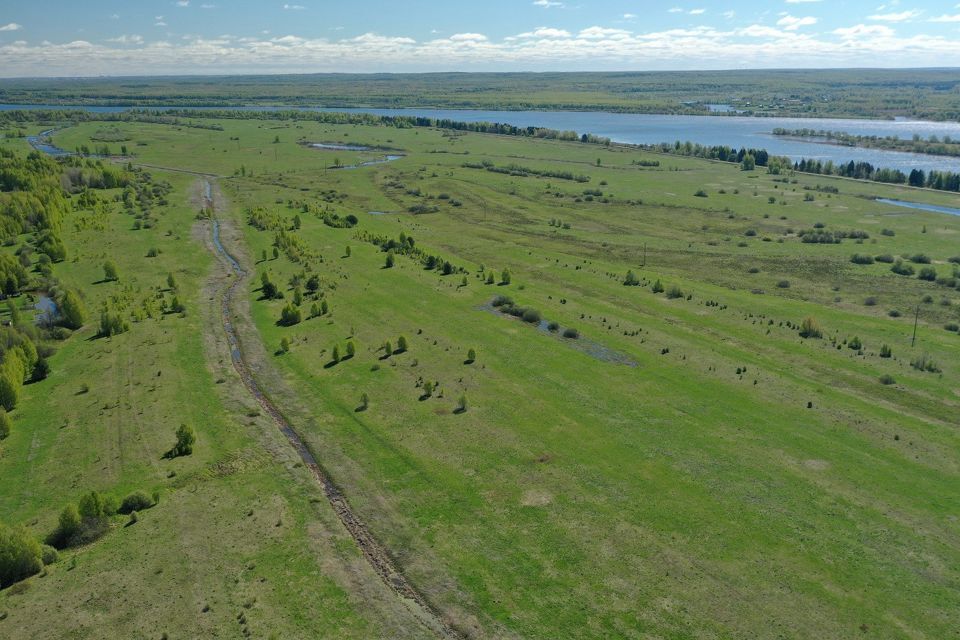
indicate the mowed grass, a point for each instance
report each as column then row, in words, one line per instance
column 242, row 540
column 740, row 481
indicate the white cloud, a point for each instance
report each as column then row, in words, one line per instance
column 547, row 4
column 127, row 39
column 901, row 16
column 545, row 48
column 183, row 3
column 862, row 30
column 802, row 1
column 792, row 23
column 946, row 18
column 294, row 7
column 13, row 26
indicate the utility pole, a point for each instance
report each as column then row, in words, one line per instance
column 644, row 254
column 916, row 319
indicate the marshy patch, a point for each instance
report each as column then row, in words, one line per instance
column 568, row 335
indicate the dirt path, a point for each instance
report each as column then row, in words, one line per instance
column 375, row 554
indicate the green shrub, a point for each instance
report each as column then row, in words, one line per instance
column 887, row 379
column 571, row 333
column 810, row 328
column 928, row 273
column 657, row 287
column 886, row 258
column 674, row 292
column 136, row 501
column 48, row 554
column 886, row 351
column 531, row 315
column 901, row 268
column 6, row 424
column 861, row 258
column 20, row 555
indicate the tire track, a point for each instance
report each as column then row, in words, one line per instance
column 375, row 554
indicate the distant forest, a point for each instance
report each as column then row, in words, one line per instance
column 931, row 94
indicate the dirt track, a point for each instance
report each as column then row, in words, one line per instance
column 374, row 553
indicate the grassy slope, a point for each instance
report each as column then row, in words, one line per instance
column 578, row 497
column 241, row 527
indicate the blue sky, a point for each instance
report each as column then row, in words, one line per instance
column 110, row 37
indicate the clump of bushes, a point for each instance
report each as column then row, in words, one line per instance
column 925, row 363
column 901, row 268
column 810, row 328
column 861, row 258
column 21, row 555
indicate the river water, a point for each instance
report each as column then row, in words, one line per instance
column 734, row 131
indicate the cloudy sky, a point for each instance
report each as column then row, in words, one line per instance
column 113, row 37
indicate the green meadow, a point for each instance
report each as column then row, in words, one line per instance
column 692, row 464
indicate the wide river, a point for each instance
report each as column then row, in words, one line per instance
column 708, row 130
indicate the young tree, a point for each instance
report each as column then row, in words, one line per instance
column 324, row 307
column 351, row 350
column 171, row 282
column 657, row 287
column 276, row 253
column 490, row 278
column 402, row 344
column 14, row 312
column 314, row 310
column 505, row 277
column 387, row 349
column 631, row 280
column 347, row 252
column 335, row 356
column 427, row 389
column 110, row 271
column 68, row 524
column 284, row 345
column 471, row 356
column 290, row 315
column 390, row 260
column 185, row 441
column 462, row 404
column 364, row 401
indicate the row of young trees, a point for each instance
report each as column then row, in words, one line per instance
column 751, row 158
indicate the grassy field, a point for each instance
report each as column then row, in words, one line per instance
column 240, row 531
column 858, row 93
column 689, row 467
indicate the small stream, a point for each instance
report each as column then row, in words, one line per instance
column 42, row 143
column 935, row 208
